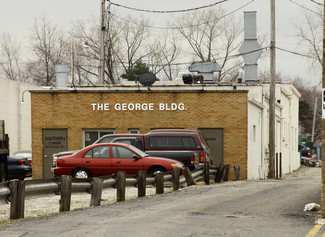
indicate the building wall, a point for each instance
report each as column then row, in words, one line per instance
column 286, row 136
column 289, row 119
column 256, row 139
column 209, row 109
column 16, row 114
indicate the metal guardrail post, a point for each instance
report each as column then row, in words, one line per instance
column 66, row 184
column 219, row 173
column 17, row 197
column 237, row 172
column 188, row 176
column 142, row 175
column 159, row 183
column 226, row 177
column 176, row 174
column 120, row 186
column 206, row 173
column 96, row 193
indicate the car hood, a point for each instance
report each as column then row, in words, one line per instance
column 165, row 159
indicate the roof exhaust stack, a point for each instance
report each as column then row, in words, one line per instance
column 250, row 49
column 61, row 72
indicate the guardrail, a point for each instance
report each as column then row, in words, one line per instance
column 15, row 191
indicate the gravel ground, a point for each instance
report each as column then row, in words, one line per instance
column 35, row 207
column 47, row 205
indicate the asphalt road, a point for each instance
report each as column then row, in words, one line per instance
column 245, row 208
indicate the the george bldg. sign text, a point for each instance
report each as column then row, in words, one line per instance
column 138, row 106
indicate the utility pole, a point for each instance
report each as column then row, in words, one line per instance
column 315, row 111
column 102, row 40
column 314, row 117
column 72, row 64
column 272, row 96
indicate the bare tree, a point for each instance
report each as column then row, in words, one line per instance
column 11, row 66
column 310, row 33
column 49, row 49
column 307, row 102
column 123, row 48
column 211, row 35
column 86, row 59
column 164, row 51
column 132, row 44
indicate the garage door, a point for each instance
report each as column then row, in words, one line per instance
column 214, row 137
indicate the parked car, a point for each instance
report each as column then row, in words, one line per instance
column 109, row 158
column 186, row 146
column 305, row 155
column 18, row 168
column 25, row 154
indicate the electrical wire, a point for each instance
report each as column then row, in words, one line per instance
column 230, row 13
column 232, row 57
column 296, row 53
column 170, row 11
column 184, row 27
column 241, row 54
column 320, row 4
column 304, row 7
column 218, row 59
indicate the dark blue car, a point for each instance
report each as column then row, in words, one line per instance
column 18, row 168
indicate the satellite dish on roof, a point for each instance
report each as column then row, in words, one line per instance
column 147, row 79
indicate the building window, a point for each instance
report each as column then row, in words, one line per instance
column 254, row 133
column 171, row 141
column 133, row 130
column 90, row 136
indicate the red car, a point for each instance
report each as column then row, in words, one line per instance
column 109, row 158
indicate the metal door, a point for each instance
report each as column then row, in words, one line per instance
column 214, row 138
column 54, row 140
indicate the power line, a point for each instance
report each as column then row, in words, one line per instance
column 241, row 54
column 218, row 59
column 183, row 27
column 320, row 4
column 232, row 12
column 304, row 7
column 147, row 26
column 170, row 11
column 296, row 53
column 233, row 56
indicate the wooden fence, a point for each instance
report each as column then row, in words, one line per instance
column 15, row 191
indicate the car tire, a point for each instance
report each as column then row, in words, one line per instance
column 156, row 170
column 81, row 174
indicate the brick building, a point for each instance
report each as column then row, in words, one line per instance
column 232, row 118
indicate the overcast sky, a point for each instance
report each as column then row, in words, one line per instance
column 17, row 17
